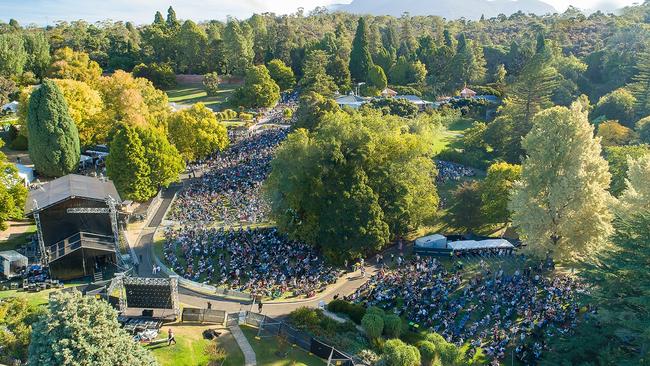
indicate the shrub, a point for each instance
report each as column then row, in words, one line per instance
column 305, row 317
column 398, row 107
column 398, row 353
column 428, row 352
column 375, row 311
column 392, row 326
column 19, row 143
column 246, row 116
column 287, row 113
column 354, row 311
column 643, row 129
column 373, row 325
column 211, row 83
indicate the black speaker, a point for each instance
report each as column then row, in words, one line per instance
column 147, row 312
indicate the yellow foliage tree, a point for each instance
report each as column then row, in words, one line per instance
column 85, row 106
column 70, row 64
column 613, row 133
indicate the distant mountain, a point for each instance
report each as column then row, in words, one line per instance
column 450, row 9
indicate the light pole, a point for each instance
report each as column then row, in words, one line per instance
column 359, row 86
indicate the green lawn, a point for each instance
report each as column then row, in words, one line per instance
column 192, row 349
column 34, row 298
column 188, row 94
column 450, row 134
column 17, row 240
column 266, row 348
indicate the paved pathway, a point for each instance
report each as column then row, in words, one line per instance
column 249, row 355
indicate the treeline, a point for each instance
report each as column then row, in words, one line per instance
column 436, row 55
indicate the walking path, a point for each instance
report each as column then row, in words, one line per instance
column 249, row 355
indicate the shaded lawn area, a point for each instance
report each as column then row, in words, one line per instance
column 451, row 134
column 16, row 240
column 188, row 94
column 192, row 349
column 267, row 347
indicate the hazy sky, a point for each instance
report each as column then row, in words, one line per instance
column 141, row 11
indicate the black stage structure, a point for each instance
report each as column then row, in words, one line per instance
column 77, row 226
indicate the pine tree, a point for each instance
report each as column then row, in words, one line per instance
column 641, row 86
column 360, row 59
column 127, row 166
column 172, row 21
column 561, row 202
column 53, row 136
column 158, row 19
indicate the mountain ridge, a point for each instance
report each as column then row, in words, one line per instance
column 450, row 9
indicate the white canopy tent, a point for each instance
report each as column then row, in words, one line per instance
column 431, row 241
column 483, row 244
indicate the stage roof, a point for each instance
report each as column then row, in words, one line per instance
column 70, row 186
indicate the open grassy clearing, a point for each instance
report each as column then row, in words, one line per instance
column 34, row 298
column 192, row 349
column 188, row 94
column 18, row 238
column 450, row 134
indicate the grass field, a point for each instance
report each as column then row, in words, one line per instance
column 451, row 134
column 34, row 298
column 192, row 349
column 188, row 94
column 266, row 349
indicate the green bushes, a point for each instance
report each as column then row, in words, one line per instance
column 354, row 311
column 398, row 353
column 246, row 116
column 226, row 115
column 373, row 324
column 161, row 75
column 427, row 352
column 392, row 326
column 305, row 317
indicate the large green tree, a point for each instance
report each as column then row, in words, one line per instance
column 164, row 161
column 81, row 330
column 196, row 133
column 354, row 182
column 561, row 202
column 238, row 44
column 259, row 90
column 496, row 190
column 641, row 86
column 13, row 56
column 16, row 318
column 127, row 166
column 312, row 109
column 281, row 74
column 315, row 77
column 38, row 53
column 360, row 59
column 53, row 136
column 617, row 158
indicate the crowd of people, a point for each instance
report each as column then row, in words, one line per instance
column 260, row 261
column 448, row 171
column 489, row 309
column 229, row 190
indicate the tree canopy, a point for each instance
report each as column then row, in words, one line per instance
column 259, row 90
column 196, row 133
column 54, row 139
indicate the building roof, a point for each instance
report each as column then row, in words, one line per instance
column 388, row 91
column 435, row 240
column 350, row 99
column 483, row 244
column 413, row 99
column 467, row 90
column 70, row 186
column 12, row 255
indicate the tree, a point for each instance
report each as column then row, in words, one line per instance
column 617, row 105
column 16, row 318
column 162, row 76
column 53, row 136
column 617, row 158
column 636, row 196
column 398, row 107
column 613, row 133
column 376, row 81
column 340, row 72
column 211, row 83
column 127, row 165
column 133, row 100
column 191, row 42
column 164, row 161
column 81, row 330
column 315, row 77
column 560, row 203
column 196, row 133
column 465, row 212
column 643, row 129
column 38, row 53
column 281, row 74
column 468, row 65
column 238, row 44
column 353, row 182
column 12, row 192
column 392, row 325
column 13, row 56
column 7, row 90
column 398, row 353
column 259, row 90
column 360, row 59
column 641, row 86
column 405, row 72
column 85, row 107
column 312, row 109
column 496, row 190
column 530, row 94
column 373, row 325
column 69, row 64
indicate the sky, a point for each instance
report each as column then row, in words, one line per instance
column 44, row 12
